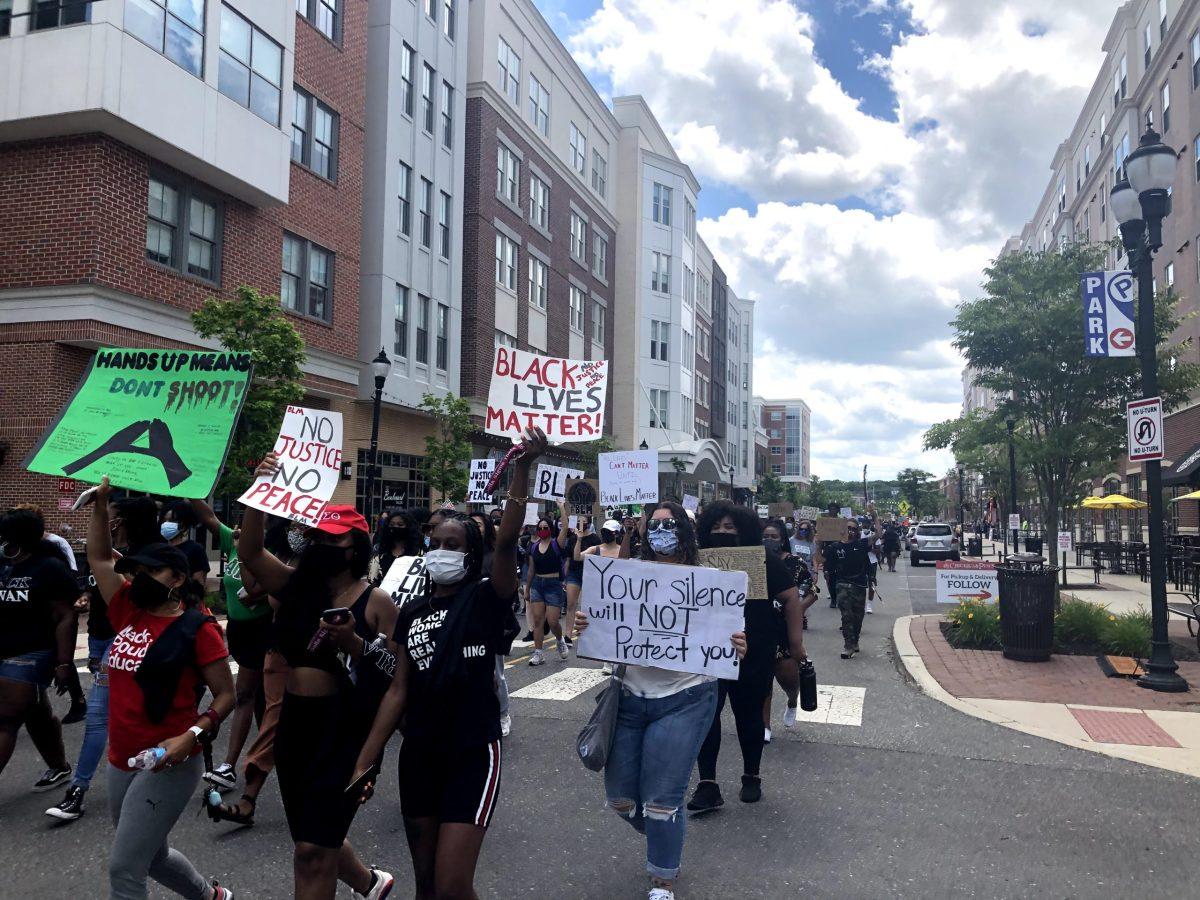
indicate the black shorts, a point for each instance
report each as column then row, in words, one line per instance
column 460, row 786
column 249, row 640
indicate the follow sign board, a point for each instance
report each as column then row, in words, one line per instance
column 1108, row 313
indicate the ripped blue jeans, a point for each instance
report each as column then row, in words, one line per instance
column 654, row 748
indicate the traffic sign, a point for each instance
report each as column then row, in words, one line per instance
column 1145, row 429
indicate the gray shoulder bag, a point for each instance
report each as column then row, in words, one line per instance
column 596, row 737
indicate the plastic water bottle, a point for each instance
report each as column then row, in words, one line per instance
column 147, row 759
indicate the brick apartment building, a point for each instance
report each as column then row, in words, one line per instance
column 787, row 425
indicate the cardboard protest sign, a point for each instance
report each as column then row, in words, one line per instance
column 583, row 497
column 406, row 580
column 751, row 560
column 779, row 510
column 629, row 476
column 310, row 464
column 480, row 472
column 550, row 482
column 963, row 580
column 563, row 397
column 654, row 614
column 831, row 528
column 690, row 503
column 151, row 420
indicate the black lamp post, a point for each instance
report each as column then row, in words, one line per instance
column 1012, row 478
column 1139, row 205
column 380, row 365
column 644, row 445
column 731, row 471
column 960, row 498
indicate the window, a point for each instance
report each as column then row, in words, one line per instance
column 777, row 451
column 578, row 149
column 576, row 309
column 422, row 353
column 1062, row 193
column 323, row 15
column 598, row 313
column 431, row 9
column 427, row 79
column 658, row 407
column 183, row 229
column 687, row 410
column 539, row 106
column 425, row 212
column 306, row 284
column 506, row 262
column 1170, row 275
column 599, row 174
column 745, row 414
column 449, row 19
column 662, row 204
column 447, row 115
column 401, row 344
column 405, row 199
column 1087, row 160
column 704, row 294
column 177, row 33
column 689, row 350
column 1147, row 53
column 508, row 170
column 1195, row 44
column 1162, row 19
column 314, row 134
column 689, row 285
column 251, row 66
column 1120, row 81
column 745, row 454
column 599, row 255
column 1148, row 116
column 510, row 72
column 660, row 274
column 701, row 389
column 505, row 340
column 443, row 337
column 1120, row 151
column 1103, row 128
column 5, row 17
column 539, row 202
column 1165, row 96
column 578, row 237
column 444, row 225
column 55, row 13
column 776, row 416
column 539, row 279
column 702, row 343
column 689, row 220
column 408, row 61
column 659, row 339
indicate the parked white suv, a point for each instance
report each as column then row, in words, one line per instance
column 933, row 540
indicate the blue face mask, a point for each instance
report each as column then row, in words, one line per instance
column 426, row 542
column 168, row 530
column 663, row 542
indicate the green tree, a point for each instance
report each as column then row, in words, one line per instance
column 254, row 323
column 448, row 449
column 821, row 494
column 1023, row 338
column 770, row 489
column 589, row 455
column 920, row 489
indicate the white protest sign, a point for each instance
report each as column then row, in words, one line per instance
column 572, row 522
column 763, row 510
column 563, row 397
column 309, row 447
column 654, row 614
column 405, row 580
column 846, row 512
column 807, row 512
column 1066, row 542
column 481, row 471
column 690, row 503
column 550, row 482
column 1014, row 521
column 531, row 514
column 628, row 476
column 963, row 580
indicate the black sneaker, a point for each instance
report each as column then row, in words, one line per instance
column 51, row 778
column 71, row 807
column 528, row 636
column 751, row 789
column 706, row 798
column 77, row 712
column 849, row 652
column 223, row 777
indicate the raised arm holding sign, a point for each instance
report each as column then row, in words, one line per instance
column 309, row 448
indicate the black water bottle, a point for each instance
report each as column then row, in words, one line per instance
column 808, row 686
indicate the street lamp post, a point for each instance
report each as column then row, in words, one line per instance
column 960, row 498
column 1139, row 204
column 731, row 471
column 1012, row 478
column 380, row 365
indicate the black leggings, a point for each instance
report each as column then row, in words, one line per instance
column 746, row 696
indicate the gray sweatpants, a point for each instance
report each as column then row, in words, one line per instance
column 144, row 807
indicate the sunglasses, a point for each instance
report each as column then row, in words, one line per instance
column 656, row 524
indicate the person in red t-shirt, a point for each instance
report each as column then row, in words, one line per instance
column 157, row 612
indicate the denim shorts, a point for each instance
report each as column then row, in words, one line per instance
column 549, row 591
column 574, row 579
column 35, row 668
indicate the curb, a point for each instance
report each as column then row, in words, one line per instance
column 906, row 650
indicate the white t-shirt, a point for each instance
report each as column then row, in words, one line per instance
column 652, row 683
column 62, row 544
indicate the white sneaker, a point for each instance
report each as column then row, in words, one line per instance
column 381, row 885
column 766, row 735
column 789, row 717
column 537, row 659
column 505, row 725
column 606, row 668
column 870, row 608
column 563, row 650
column 661, row 894
column 223, row 777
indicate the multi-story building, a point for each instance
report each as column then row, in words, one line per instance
column 787, row 423
column 740, row 357
column 703, row 391
column 1151, row 72
column 975, row 396
column 155, row 154
column 540, row 216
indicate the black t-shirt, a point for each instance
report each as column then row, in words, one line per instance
column 98, row 626
column 586, row 542
column 801, row 578
column 196, row 557
column 851, row 562
column 28, row 591
column 761, row 627
column 465, row 712
column 549, row 561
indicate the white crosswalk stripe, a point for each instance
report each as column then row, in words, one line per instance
column 565, row 684
column 836, row 705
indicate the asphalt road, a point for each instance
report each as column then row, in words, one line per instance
column 917, row 801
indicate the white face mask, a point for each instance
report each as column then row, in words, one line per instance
column 446, row 566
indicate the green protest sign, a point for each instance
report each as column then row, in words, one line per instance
column 151, row 420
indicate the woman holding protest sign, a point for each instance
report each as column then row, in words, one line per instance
column 451, row 759
column 544, row 587
column 662, row 718
column 326, row 628
column 725, row 524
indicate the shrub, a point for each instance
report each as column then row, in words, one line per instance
column 975, row 624
column 1128, row 634
column 1079, row 622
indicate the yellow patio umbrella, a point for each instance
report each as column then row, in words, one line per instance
column 1194, row 495
column 1091, row 503
column 1113, row 501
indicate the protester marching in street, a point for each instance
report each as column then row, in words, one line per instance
column 544, row 587
column 788, row 652
column 850, row 563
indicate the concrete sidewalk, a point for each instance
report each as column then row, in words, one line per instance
column 1068, row 699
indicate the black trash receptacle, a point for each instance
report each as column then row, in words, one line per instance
column 1033, row 545
column 975, row 546
column 1027, row 611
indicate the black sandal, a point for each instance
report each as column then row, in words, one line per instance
column 225, row 812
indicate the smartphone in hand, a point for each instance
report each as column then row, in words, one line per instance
column 337, row 616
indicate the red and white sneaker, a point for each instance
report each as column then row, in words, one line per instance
column 221, row 893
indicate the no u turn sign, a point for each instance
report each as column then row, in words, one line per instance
column 1144, row 421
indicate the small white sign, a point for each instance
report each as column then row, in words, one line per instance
column 405, row 580
column 1014, row 521
column 1066, row 542
column 963, row 580
column 310, row 465
column 691, row 503
column 763, row 511
column 550, row 483
column 1145, row 425
column 481, row 471
column 628, row 476
column 847, row 512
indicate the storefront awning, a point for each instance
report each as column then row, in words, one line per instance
column 1184, row 471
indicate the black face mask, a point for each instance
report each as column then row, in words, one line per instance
column 145, row 592
column 326, row 560
column 722, row 539
column 607, row 536
column 771, row 544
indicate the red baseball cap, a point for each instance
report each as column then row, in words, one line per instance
column 340, row 519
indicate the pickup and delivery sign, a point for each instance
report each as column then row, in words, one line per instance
column 1108, row 313
column 959, row 580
